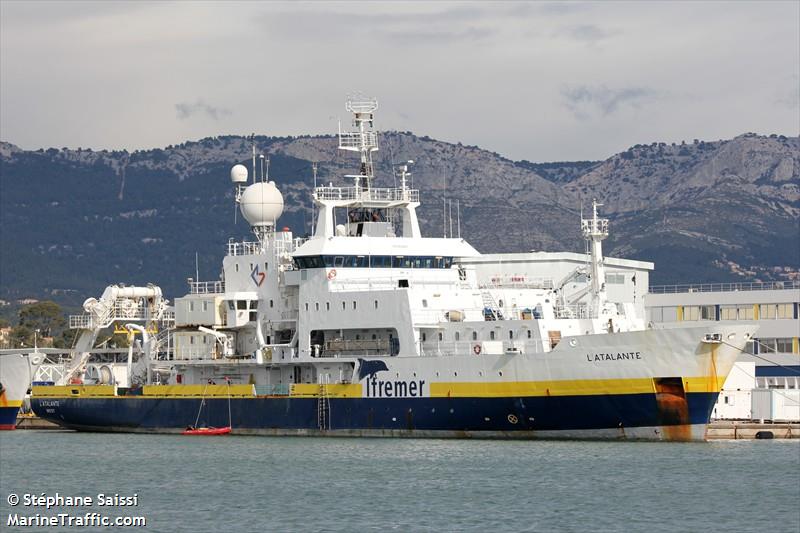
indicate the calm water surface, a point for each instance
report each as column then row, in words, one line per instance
column 242, row 484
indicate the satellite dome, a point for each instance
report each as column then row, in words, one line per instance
column 239, row 174
column 261, row 204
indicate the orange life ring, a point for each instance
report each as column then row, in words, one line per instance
column 477, row 349
column 332, row 273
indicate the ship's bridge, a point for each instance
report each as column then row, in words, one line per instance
column 381, row 252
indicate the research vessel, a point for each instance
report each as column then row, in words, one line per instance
column 369, row 328
column 15, row 379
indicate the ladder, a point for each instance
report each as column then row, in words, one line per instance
column 489, row 303
column 323, row 404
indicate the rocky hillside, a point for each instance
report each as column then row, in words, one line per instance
column 75, row 220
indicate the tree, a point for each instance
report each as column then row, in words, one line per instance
column 45, row 316
column 21, row 336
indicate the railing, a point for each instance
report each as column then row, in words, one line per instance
column 354, row 140
column 80, row 321
column 191, row 353
column 206, row 287
column 725, row 287
column 355, row 347
column 244, row 248
column 477, row 348
column 575, row 311
column 372, row 194
column 594, row 226
column 516, row 281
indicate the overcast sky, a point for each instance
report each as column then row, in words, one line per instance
column 538, row 81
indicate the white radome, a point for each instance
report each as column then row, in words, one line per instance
column 261, row 204
column 239, row 174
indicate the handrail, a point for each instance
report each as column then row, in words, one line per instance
column 206, row 287
column 364, row 194
column 725, row 287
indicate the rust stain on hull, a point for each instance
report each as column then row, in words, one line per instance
column 673, row 409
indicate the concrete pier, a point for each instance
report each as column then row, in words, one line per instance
column 724, row 429
column 31, row 421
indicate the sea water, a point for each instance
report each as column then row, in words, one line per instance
column 243, row 484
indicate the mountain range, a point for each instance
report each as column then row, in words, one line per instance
column 73, row 221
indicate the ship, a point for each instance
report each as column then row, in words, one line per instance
column 369, row 328
column 16, row 371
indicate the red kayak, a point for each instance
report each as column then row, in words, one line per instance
column 207, row 431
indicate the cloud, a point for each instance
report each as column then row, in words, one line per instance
column 588, row 33
column 584, row 100
column 434, row 37
column 789, row 95
column 186, row 110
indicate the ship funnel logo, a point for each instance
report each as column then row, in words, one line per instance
column 370, row 368
column 257, row 276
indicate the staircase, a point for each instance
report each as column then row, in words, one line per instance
column 490, row 304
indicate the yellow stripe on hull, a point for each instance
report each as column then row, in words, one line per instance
column 338, row 390
column 198, row 390
column 54, row 391
column 566, row 387
column 437, row 390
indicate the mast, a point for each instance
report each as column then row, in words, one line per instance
column 364, row 140
column 594, row 231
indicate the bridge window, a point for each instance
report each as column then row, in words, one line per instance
column 241, row 304
column 366, row 261
column 491, row 335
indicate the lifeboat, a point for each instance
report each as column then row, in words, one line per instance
column 207, row 431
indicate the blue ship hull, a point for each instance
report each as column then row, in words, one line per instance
column 604, row 416
column 8, row 417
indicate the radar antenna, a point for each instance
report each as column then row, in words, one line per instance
column 363, row 140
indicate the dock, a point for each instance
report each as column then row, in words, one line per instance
column 736, row 430
column 31, row 421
